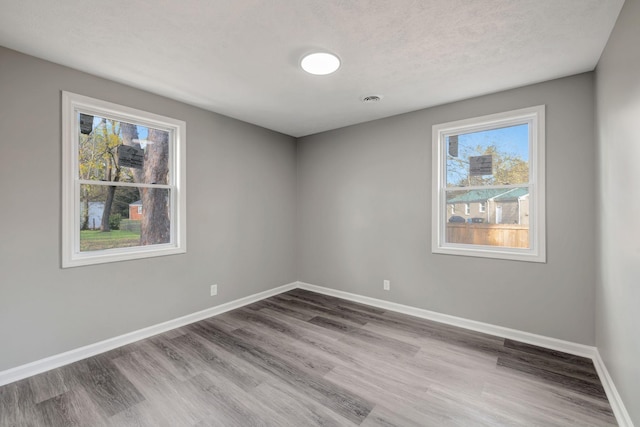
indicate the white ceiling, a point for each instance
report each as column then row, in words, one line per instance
column 241, row 58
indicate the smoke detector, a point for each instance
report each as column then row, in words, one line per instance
column 371, row 99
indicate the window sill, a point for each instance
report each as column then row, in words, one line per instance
column 491, row 252
column 126, row 254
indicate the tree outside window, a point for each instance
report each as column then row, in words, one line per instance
column 116, row 158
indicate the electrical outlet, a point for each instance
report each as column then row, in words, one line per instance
column 214, row 290
column 386, row 285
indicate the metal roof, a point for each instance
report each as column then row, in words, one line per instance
column 497, row 194
column 512, row 194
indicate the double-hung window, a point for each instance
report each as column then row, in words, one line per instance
column 123, row 183
column 496, row 161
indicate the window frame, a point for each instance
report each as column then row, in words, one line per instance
column 72, row 104
column 482, row 207
column 535, row 117
column 467, row 209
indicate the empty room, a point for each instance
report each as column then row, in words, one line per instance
column 332, row 213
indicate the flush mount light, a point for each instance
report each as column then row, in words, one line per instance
column 320, row 63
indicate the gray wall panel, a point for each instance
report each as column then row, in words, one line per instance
column 618, row 290
column 364, row 215
column 240, row 207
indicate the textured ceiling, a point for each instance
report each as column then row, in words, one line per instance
column 240, row 58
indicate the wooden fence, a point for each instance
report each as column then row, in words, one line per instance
column 505, row 235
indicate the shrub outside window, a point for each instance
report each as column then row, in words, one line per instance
column 495, row 162
column 123, row 183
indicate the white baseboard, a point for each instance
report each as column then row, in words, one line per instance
column 619, row 410
column 52, row 362
column 487, row 328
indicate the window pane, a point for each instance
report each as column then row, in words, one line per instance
column 504, row 221
column 137, row 217
column 491, row 157
column 110, row 150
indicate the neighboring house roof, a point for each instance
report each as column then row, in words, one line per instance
column 476, row 196
column 513, row 194
column 137, row 203
column 497, row 194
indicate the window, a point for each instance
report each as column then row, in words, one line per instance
column 496, row 161
column 123, row 183
column 453, row 209
column 467, row 209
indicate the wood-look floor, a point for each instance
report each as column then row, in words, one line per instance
column 304, row 359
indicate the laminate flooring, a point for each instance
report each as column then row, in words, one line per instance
column 305, row 359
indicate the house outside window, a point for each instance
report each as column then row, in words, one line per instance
column 496, row 161
column 117, row 160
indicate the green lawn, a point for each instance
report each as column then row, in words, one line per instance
column 95, row 240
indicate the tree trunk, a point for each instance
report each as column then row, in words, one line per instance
column 106, row 210
column 155, row 226
column 155, row 209
column 106, row 213
column 85, row 213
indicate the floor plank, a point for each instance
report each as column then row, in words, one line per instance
column 305, row 359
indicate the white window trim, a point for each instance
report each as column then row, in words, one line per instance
column 71, row 255
column 535, row 116
column 467, row 209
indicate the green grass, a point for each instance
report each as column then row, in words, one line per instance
column 96, row 240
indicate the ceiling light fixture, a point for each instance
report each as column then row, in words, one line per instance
column 320, row 63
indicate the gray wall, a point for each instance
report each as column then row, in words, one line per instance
column 364, row 215
column 618, row 290
column 240, row 210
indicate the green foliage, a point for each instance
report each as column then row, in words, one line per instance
column 114, row 221
column 98, row 161
column 507, row 168
column 98, row 152
column 122, row 198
